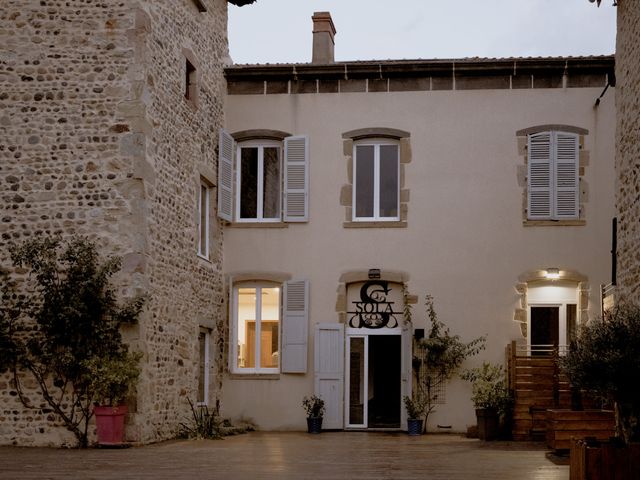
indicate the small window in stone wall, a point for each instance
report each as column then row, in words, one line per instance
column 204, row 340
column 204, row 202
column 200, row 5
column 190, row 82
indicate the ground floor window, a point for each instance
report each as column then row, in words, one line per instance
column 256, row 328
column 204, row 341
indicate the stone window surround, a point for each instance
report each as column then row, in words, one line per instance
column 346, row 192
column 355, row 276
column 583, row 162
column 240, row 277
column 258, row 134
column 190, row 96
column 520, row 315
column 204, row 175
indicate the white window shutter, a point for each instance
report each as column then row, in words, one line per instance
column 566, row 153
column 225, row 176
column 296, row 179
column 233, row 340
column 329, row 372
column 539, row 176
column 295, row 322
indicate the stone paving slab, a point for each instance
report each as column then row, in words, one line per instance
column 295, row 455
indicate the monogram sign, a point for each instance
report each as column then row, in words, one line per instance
column 374, row 309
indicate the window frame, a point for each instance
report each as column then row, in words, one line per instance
column 376, row 143
column 260, row 145
column 233, row 367
column 207, row 365
column 204, row 186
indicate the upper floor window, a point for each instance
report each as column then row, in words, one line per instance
column 259, row 181
column 203, row 219
column 376, row 174
column 263, row 179
column 552, row 176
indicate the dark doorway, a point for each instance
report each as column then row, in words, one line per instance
column 544, row 329
column 384, row 381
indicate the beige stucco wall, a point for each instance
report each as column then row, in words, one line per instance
column 628, row 149
column 465, row 242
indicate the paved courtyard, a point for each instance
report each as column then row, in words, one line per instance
column 263, row 455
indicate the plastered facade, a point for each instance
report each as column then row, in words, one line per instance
column 98, row 139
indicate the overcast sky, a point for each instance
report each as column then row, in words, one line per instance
column 279, row 31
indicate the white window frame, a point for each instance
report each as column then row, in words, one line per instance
column 234, row 368
column 203, row 250
column 260, row 144
column 376, row 143
column 207, row 365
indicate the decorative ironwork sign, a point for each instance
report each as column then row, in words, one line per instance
column 374, row 310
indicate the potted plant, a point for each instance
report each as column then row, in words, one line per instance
column 416, row 411
column 111, row 380
column 490, row 396
column 314, row 406
column 603, row 360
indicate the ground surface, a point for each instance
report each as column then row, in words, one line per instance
column 285, row 456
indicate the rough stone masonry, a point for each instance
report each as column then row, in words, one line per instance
column 97, row 138
column 628, row 149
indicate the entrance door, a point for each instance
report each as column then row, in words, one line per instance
column 545, row 329
column 374, row 381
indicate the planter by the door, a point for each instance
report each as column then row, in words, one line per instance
column 414, row 426
column 590, row 459
column 110, row 424
column 314, row 424
column 563, row 425
column 488, row 423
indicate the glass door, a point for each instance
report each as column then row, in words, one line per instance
column 357, row 373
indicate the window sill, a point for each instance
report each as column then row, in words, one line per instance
column 554, row 223
column 391, row 224
column 258, row 225
column 254, row 376
column 202, row 257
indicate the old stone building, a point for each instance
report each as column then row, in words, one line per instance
column 107, row 118
column 628, row 149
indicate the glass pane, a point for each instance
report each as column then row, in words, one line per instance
column 201, row 373
column 269, row 328
column 246, row 327
column 203, row 219
column 356, row 381
column 571, row 322
column 271, row 194
column 388, row 180
column 248, row 182
column 364, row 181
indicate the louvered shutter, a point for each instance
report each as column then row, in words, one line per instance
column 296, row 179
column 329, row 372
column 295, row 326
column 566, row 147
column 539, row 176
column 225, row 176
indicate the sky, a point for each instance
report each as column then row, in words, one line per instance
column 279, row 31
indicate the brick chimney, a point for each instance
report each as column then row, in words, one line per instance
column 323, row 32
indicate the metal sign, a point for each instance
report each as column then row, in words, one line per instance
column 374, row 310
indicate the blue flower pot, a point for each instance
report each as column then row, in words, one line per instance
column 414, row 426
column 314, row 424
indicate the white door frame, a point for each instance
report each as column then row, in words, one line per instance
column 562, row 320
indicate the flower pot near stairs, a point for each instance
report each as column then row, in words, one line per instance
column 110, row 424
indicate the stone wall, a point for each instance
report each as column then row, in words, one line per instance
column 628, row 149
column 98, row 139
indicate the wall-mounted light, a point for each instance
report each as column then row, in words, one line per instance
column 552, row 274
column 374, row 273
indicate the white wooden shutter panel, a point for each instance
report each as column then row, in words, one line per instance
column 329, row 372
column 295, row 322
column 296, row 179
column 566, row 153
column 539, row 176
column 225, row 176
column 233, row 339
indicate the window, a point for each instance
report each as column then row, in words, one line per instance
column 204, row 340
column 376, row 174
column 269, row 325
column 263, row 179
column 190, row 82
column 257, row 346
column 203, row 220
column 552, row 176
column 259, row 181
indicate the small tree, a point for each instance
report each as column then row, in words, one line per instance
column 605, row 360
column 64, row 330
column 440, row 356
